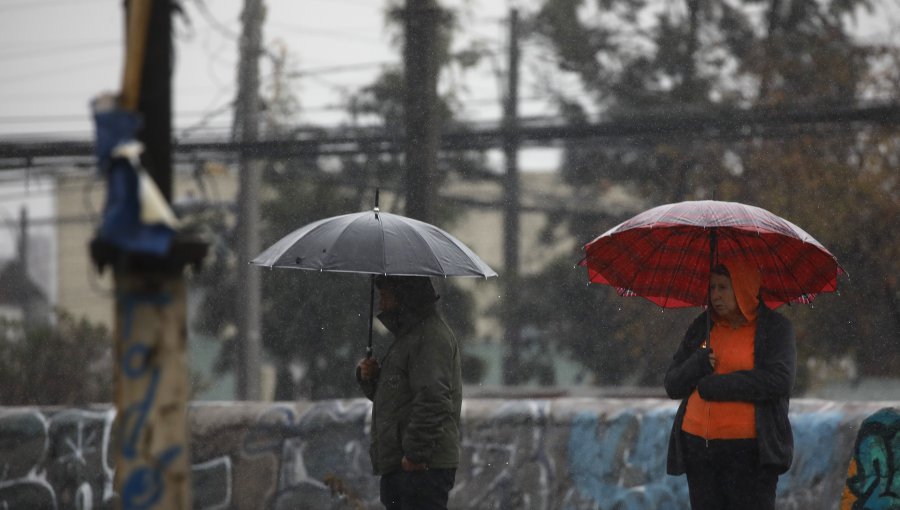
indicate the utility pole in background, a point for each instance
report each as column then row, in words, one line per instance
column 420, row 58
column 246, row 129
column 512, row 369
column 30, row 312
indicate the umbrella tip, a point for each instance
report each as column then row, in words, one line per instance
column 377, row 189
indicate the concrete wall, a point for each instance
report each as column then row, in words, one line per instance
column 567, row 454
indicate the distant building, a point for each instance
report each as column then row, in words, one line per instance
column 27, row 247
column 20, row 298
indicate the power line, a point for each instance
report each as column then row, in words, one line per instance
column 340, row 68
column 28, row 119
column 208, row 116
column 213, row 22
column 319, row 32
column 57, row 70
column 14, row 51
column 38, row 4
column 719, row 125
column 344, row 68
column 362, row 3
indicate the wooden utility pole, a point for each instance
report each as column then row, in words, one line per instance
column 246, row 129
column 420, row 58
column 156, row 98
column 151, row 451
column 152, row 445
column 151, row 381
column 512, row 373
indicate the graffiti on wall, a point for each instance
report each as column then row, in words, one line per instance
column 873, row 477
column 504, row 462
column 62, row 461
column 615, row 461
column 56, row 462
column 285, row 457
column 540, row 454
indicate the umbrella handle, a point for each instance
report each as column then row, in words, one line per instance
column 371, row 315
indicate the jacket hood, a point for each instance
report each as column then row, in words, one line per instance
column 401, row 320
column 412, row 292
column 746, row 281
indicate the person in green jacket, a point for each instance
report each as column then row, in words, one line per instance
column 416, row 392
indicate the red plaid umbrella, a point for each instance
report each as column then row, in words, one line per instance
column 665, row 254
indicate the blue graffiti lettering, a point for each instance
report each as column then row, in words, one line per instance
column 145, row 486
column 138, row 412
column 130, row 301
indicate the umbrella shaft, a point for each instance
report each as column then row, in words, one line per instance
column 713, row 241
column 371, row 315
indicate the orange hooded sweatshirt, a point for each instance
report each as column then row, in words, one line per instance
column 734, row 351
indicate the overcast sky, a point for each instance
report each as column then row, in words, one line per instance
column 57, row 54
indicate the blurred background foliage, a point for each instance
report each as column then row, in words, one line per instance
column 632, row 57
column 63, row 362
column 841, row 185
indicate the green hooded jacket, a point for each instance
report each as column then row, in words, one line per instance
column 417, row 397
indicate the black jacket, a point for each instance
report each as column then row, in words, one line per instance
column 417, row 398
column 768, row 386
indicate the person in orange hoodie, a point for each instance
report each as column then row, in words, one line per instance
column 731, row 434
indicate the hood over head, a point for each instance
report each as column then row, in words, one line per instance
column 413, row 292
column 415, row 296
column 746, row 281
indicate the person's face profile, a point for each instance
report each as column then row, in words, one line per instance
column 721, row 295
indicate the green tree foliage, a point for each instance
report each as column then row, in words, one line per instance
column 850, row 201
column 598, row 328
column 636, row 57
column 66, row 363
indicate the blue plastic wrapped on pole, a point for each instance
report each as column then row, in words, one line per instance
column 136, row 218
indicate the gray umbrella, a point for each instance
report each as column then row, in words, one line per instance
column 375, row 243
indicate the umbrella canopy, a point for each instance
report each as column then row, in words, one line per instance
column 665, row 254
column 374, row 242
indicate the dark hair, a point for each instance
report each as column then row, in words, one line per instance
column 720, row 269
